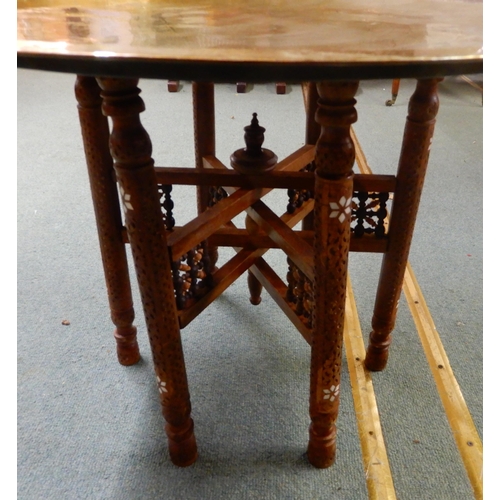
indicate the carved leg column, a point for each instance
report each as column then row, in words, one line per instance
column 95, row 132
column 131, row 149
column 313, row 130
column 422, row 111
column 332, row 216
column 204, row 144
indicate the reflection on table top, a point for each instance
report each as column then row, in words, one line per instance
column 258, row 31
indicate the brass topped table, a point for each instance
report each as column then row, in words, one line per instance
column 331, row 43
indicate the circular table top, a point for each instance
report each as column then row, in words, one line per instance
column 252, row 40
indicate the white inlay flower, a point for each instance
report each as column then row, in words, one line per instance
column 331, row 393
column 162, row 386
column 341, row 209
column 126, row 200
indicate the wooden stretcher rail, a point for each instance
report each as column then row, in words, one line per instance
column 237, row 237
column 277, row 290
column 295, row 247
column 201, row 227
column 235, row 267
column 222, row 279
column 277, row 179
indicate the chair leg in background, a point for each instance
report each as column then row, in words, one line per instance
column 394, row 92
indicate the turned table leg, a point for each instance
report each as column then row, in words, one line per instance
column 131, row 150
column 313, row 130
column 95, row 132
column 332, row 216
column 204, row 145
column 422, row 111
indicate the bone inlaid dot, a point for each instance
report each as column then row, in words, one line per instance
column 331, row 393
column 162, row 386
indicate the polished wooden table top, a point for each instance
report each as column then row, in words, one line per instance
column 218, row 39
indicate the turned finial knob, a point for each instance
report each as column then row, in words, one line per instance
column 253, row 158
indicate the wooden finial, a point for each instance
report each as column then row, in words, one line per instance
column 253, row 158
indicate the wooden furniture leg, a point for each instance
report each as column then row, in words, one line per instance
column 394, row 92
column 332, row 216
column 204, row 145
column 95, row 132
column 417, row 138
column 313, row 130
column 131, row 150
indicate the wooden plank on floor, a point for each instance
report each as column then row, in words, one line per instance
column 375, row 460
column 468, row 442
column 464, row 431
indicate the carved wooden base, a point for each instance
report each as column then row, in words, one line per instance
column 182, row 446
column 176, row 269
column 127, row 348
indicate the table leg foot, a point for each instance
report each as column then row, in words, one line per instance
column 322, row 446
column 377, row 353
column 182, row 444
column 127, row 348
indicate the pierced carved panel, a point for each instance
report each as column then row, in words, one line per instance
column 299, row 293
column 191, row 273
column 369, row 214
column 369, row 211
column 191, row 276
column 167, row 205
column 296, row 197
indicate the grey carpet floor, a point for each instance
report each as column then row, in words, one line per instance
column 89, row 428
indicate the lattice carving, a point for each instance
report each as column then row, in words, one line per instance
column 300, row 293
column 369, row 212
column 296, row 197
column 167, row 205
column 191, row 276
